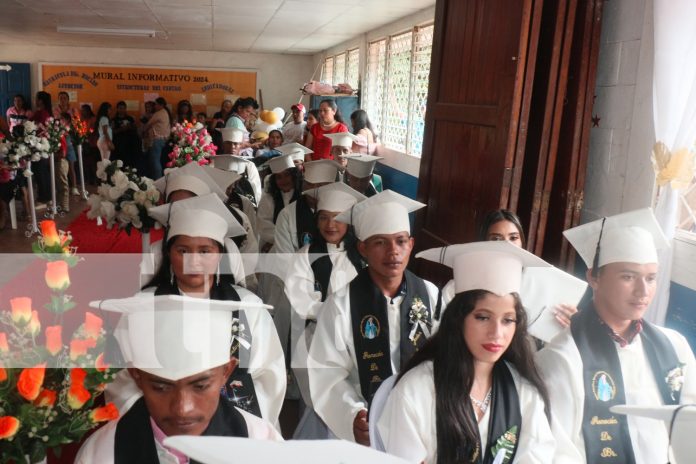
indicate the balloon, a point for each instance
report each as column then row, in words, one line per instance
column 269, row 116
column 279, row 112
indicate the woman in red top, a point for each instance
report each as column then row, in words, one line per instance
column 330, row 122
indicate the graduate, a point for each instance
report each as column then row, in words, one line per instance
column 318, row 270
column 193, row 265
column 611, row 355
column 472, row 393
column 284, row 187
column 384, row 315
column 180, row 368
column 249, row 186
column 360, row 174
column 295, row 225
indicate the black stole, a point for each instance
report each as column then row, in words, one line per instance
column 135, row 440
column 607, row 439
column 322, row 266
column 370, row 324
column 279, row 204
column 505, row 413
column 239, row 389
column 305, row 221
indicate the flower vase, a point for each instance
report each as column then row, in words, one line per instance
column 54, row 209
column 33, row 227
column 82, row 172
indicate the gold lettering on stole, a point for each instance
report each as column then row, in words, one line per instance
column 373, row 367
column 367, row 355
column 604, row 436
column 609, row 421
column 608, row 453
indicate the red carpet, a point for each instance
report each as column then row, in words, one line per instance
column 88, row 237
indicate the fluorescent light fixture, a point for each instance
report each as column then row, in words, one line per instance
column 106, row 31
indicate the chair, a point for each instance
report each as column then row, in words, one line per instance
column 378, row 403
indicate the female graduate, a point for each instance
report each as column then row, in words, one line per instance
column 472, row 393
column 284, row 187
column 196, row 237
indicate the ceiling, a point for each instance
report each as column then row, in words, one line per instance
column 259, row 26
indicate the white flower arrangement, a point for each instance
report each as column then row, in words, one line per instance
column 29, row 142
column 418, row 317
column 675, row 379
column 123, row 197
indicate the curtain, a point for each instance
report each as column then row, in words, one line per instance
column 674, row 114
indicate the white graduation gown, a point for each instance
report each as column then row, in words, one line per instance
column 254, row 179
column 266, row 366
column 285, row 236
column 99, row 448
column 333, row 368
column 265, row 227
column 408, row 429
column 560, row 365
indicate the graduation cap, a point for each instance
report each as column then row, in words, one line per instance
column 234, row 163
column 190, row 177
column 342, row 139
column 680, row 420
column 231, row 134
column 216, row 450
column 281, row 163
column 204, row 216
column 296, row 150
column 222, row 178
column 383, row 214
column 335, row 197
column 321, row 171
column 175, row 336
column 495, row 266
column 361, row 166
column 632, row 237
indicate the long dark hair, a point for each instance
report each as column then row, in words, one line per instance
column 495, row 216
column 163, row 276
column 332, row 104
column 278, row 194
column 453, row 373
column 25, row 104
column 360, row 121
column 350, row 241
column 163, row 103
column 243, row 102
column 189, row 114
column 45, row 99
column 102, row 111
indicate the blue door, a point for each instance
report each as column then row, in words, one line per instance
column 16, row 80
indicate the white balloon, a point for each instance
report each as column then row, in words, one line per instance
column 262, row 126
column 280, row 112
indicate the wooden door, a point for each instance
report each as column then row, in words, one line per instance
column 478, row 101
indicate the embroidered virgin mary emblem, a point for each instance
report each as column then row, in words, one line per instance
column 306, row 238
column 369, row 327
column 603, row 386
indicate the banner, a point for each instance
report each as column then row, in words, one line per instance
column 205, row 89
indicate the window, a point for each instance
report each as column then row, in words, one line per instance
column 396, row 92
column 339, row 69
column 342, row 68
column 327, row 70
column 353, row 68
column 687, row 208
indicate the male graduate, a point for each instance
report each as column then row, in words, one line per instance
column 368, row 330
column 610, row 355
column 178, row 352
column 360, row 174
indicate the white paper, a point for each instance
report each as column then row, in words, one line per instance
column 542, row 289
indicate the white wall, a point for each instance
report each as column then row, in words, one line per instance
column 279, row 76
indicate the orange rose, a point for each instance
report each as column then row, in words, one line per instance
column 78, row 394
column 3, row 374
column 57, row 277
column 93, row 325
column 99, row 364
column 46, row 399
column 3, row 343
column 105, row 413
column 34, row 323
column 21, row 310
column 30, row 381
column 8, row 426
column 49, row 232
column 77, row 348
column 54, row 339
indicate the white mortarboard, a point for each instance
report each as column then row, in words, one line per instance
column 495, row 266
column 383, row 214
column 342, row 139
column 632, row 237
column 361, row 166
column 294, row 149
column 281, row 163
column 335, row 197
column 204, row 216
column 682, row 426
column 231, row 134
column 216, row 450
column 190, row 177
column 321, row 171
column 222, row 178
column 174, row 336
column 234, row 163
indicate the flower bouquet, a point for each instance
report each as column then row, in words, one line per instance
column 55, row 130
column 123, row 197
column 49, row 389
column 190, row 143
column 79, row 131
column 29, row 143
